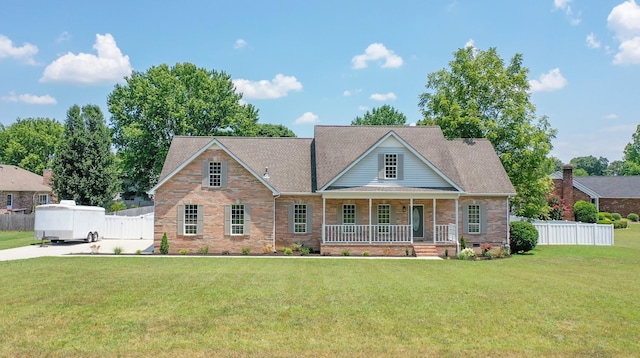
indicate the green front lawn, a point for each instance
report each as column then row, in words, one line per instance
column 11, row 239
column 557, row 301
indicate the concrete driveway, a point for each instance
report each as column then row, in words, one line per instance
column 106, row 247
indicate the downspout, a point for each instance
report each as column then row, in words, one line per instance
column 506, row 244
column 457, row 225
column 273, row 233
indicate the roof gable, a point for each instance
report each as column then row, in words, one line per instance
column 13, row 178
column 611, row 186
column 418, row 171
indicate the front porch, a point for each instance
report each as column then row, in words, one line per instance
column 390, row 223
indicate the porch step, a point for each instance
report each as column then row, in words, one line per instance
column 425, row 250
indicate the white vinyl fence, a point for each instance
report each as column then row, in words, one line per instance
column 129, row 227
column 573, row 233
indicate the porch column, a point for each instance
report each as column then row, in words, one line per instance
column 457, row 225
column 434, row 221
column 324, row 222
column 369, row 220
column 411, row 219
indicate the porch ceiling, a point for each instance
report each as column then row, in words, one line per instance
column 391, row 192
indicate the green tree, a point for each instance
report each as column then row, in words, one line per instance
column 632, row 149
column 153, row 106
column 480, row 97
column 579, row 172
column 273, row 130
column 615, row 167
column 591, row 164
column 30, row 143
column 552, row 165
column 383, row 116
column 84, row 166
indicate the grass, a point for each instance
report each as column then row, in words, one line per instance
column 557, row 301
column 11, row 239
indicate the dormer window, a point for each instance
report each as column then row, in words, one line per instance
column 390, row 166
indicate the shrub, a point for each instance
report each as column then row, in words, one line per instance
column 556, row 208
column 117, row 206
column 267, row 249
column 138, row 252
column 446, row 252
column 183, row 251
column 117, row 250
column 406, row 251
column 467, row 254
column 502, row 252
column 346, row 252
column 604, row 221
column 366, row 253
column 203, row 250
column 246, row 251
column 164, row 244
column 287, row 251
column 620, row 224
column 305, row 251
column 604, row 215
column 524, row 236
column 485, row 248
column 616, row 216
column 463, row 243
column 296, row 247
column 585, row 212
column 633, row 217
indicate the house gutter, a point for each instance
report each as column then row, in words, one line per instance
column 273, row 235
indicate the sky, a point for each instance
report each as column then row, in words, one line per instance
column 306, row 63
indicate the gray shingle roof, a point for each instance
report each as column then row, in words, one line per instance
column 16, row 179
column 471, row 165
column 612, row 186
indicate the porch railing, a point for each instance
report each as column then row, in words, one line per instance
column 367, row 233
column 445, row 233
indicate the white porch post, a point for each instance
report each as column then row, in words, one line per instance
column 411, row 219
column 434, row 221
column 324, row 222
column 457, row 224
column 370, row 221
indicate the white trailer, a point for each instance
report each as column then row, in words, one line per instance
column 68, row 222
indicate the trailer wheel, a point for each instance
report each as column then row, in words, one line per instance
column 89, row 237
column 96, row 237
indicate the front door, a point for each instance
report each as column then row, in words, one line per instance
column 417, row 216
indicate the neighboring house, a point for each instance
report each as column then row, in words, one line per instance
column 382, row 189
column 22, row 190
column 614, row 194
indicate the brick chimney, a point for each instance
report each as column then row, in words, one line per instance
column 47, row 177
column 567, row 191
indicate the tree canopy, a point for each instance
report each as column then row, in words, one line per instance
column 84, row 167
column 273, row 130
column 385, row 115
column 153, row 106
column 30, row 143
column 479, row 97
column 591, row 165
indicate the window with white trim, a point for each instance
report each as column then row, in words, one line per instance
column 190, row 219
column 43, row 199
column 9, row 201
column 215, row 174
column 237, row 219
column 384, row 218
column 474, row 219
column 390, row 166
column 349, row 217
column 300, row 218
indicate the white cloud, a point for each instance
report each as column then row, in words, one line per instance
column 278, row 87
column 240, row 43
column 592, row 42
column 29, row 98
column 610, row 116
column 623, row 128
column 24, row 52
column 363, row 108
column 306, row 118
column 550, row 81
column 564, row 6
column 107, row 67
column 629, row 52
column 470, row 43
column 383, row 96
column 377, row 51
column 624, row 20
column 348, row 93
column 63, row 37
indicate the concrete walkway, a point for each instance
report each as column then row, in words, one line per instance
column 107, row 246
